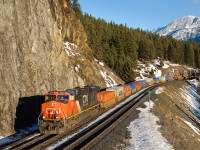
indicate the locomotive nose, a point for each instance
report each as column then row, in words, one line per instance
column 51, row 110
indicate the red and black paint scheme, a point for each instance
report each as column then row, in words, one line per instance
column 63, row 110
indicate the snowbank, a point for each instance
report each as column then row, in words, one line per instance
column 22, row 133
column 196, row 130
column 110, row 82
column 145, row 131
column 165, row 66
column 143, row 70
column 70, row 49
column 159, row 90
column 192, row 99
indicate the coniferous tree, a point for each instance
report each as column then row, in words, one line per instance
column 197, row 55
column 77, row 8
column 189, row 54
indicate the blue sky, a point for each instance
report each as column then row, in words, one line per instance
column 145, row 14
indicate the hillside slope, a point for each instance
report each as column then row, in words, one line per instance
column 43, row 47
column 177, row 107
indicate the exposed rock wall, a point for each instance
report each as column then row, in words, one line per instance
column 33, row 57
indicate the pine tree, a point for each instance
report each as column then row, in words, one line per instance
column 77, row 8
column 189, row 54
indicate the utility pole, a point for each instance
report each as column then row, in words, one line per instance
column 149, row 92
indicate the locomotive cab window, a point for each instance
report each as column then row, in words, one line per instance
column 63, row 97
column 50, row 97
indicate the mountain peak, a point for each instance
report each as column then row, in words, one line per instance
column 186, row 28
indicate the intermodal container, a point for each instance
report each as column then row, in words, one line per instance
column 107, row 98
column 143, row 83
column 133, row 87
column 127, row 90
column 156, row 79
column 138, row 85
column 119, row 92
column 162, row 79
column 150, row 81
column 169, row 78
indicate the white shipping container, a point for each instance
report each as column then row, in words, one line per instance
column 119, row 90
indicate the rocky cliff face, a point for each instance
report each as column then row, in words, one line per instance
column 43, row 47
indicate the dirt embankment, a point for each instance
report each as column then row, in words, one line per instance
column 173, row 111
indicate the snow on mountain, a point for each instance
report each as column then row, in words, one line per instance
column 186, row 28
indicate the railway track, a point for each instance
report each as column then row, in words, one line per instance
column 86, row 138
column 25, row 139
column 28, row 144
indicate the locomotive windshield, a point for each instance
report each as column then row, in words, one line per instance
column 50, row 97
column 63, row 97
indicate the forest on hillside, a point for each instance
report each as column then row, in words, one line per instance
column 120, row 46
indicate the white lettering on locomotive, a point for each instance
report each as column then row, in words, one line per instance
column 85, row 100
column 52, row 111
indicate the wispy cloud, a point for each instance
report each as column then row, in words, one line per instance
column 196, row 1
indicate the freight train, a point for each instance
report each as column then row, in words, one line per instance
column 65, row 110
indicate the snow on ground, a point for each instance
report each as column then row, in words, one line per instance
column 192, row 99
column 143, row 70
column 77, row 67
column 174, row 65
column 194, row 83
column 157, row 62
column 145, row 131
column 110, row 82
column 158, row 73
column 165, row 66
column 159, row 90
column 171, row 64
column 100, row 63
column 4, row 140
column 70, row 49
column 195, row 129
column 141, row 74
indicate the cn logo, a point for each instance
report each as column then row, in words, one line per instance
column 52, row 111
column 85, row 100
